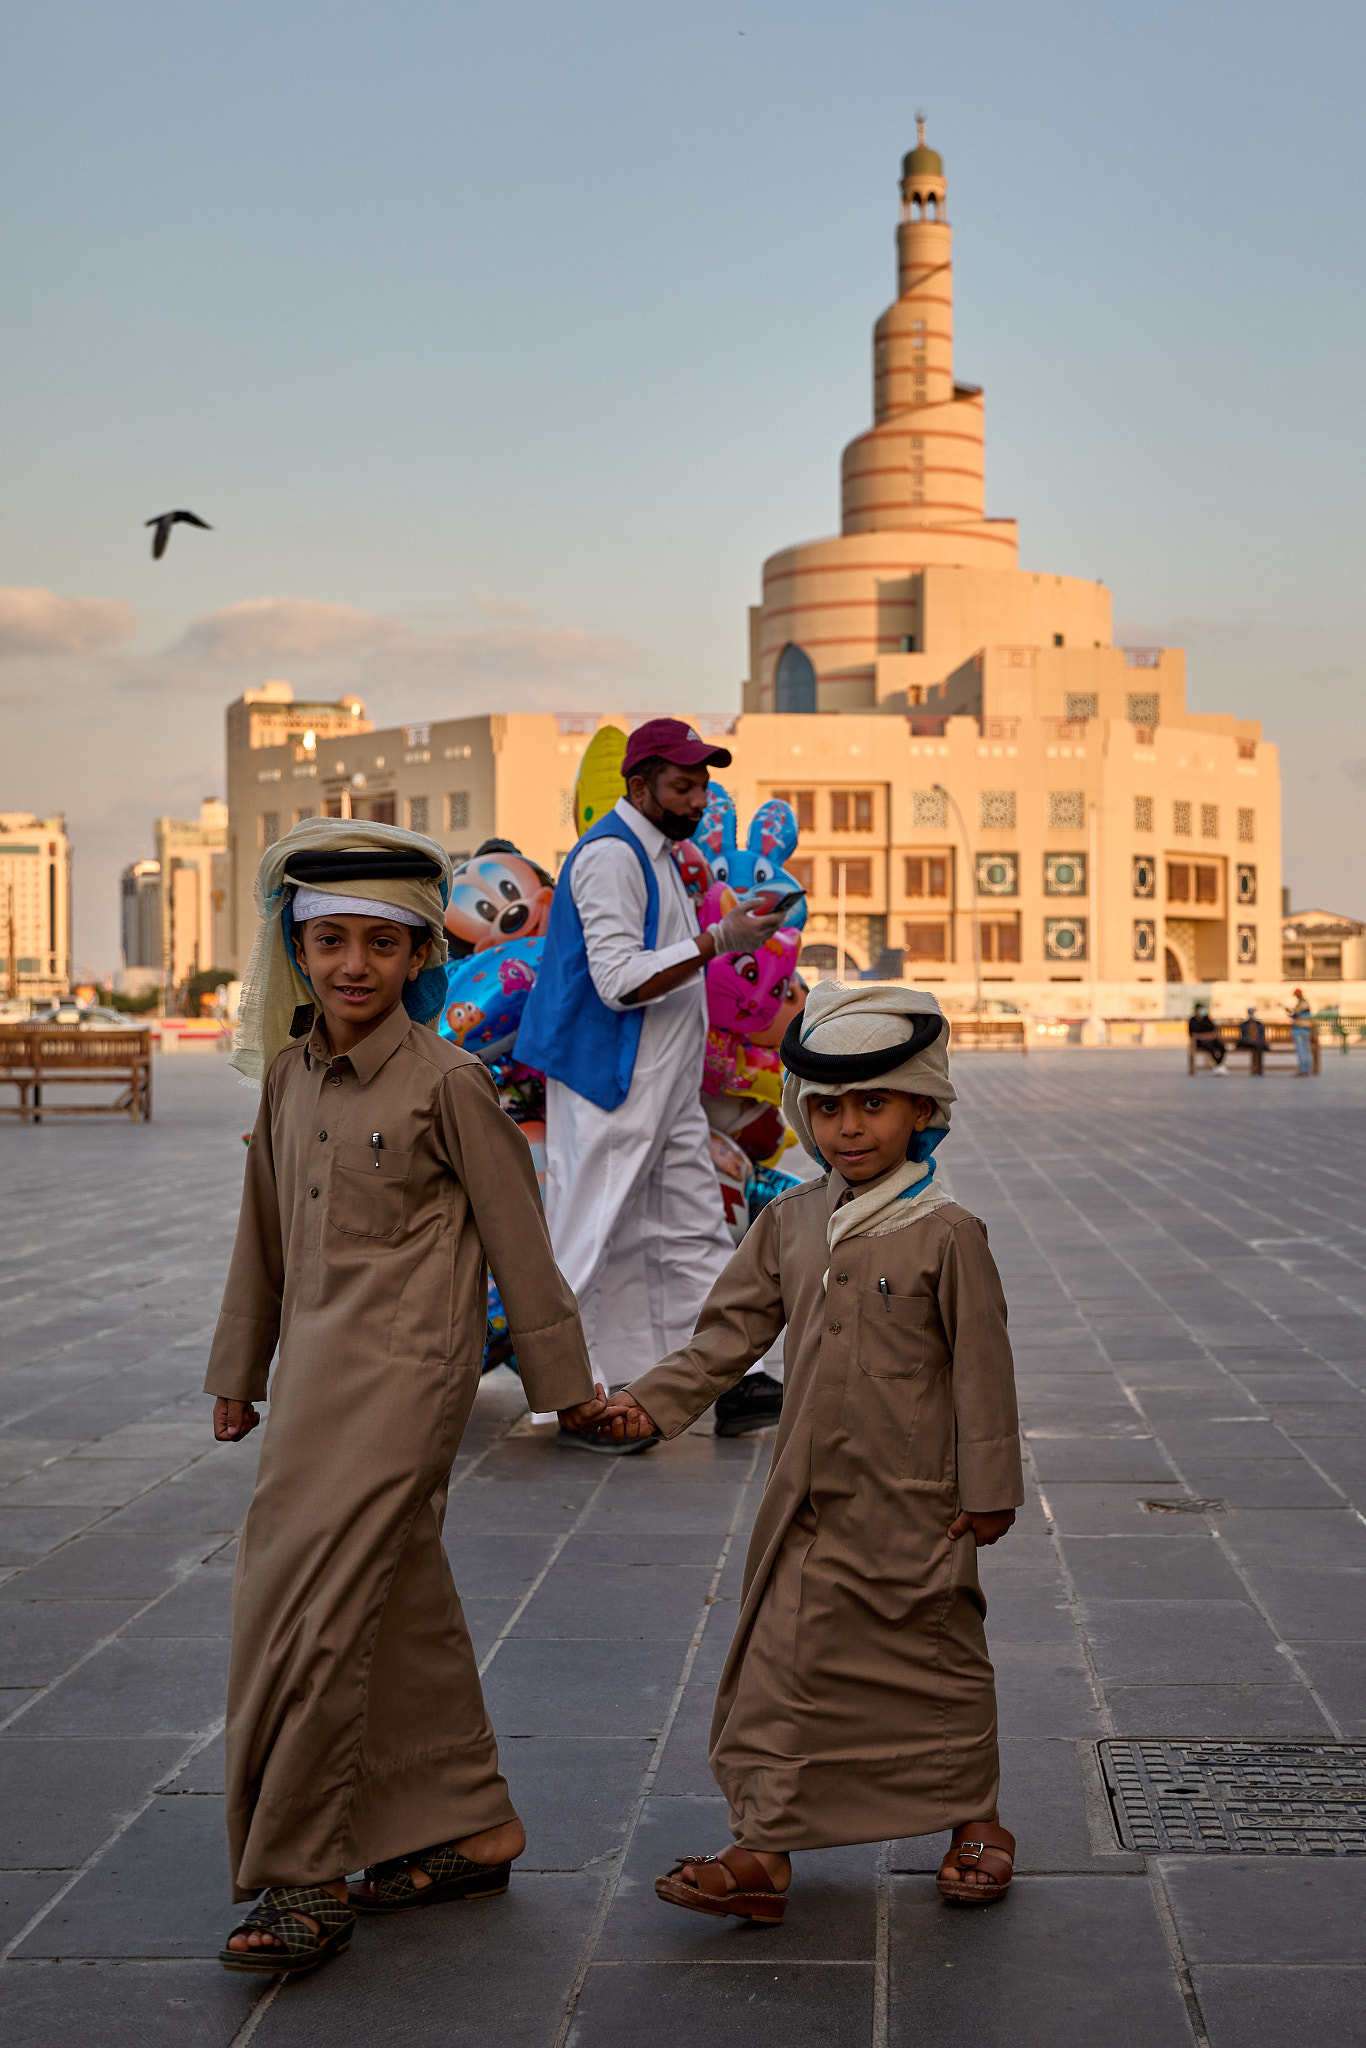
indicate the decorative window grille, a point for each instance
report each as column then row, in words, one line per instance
column 1145, row 875
column 1209, row 821
column 270, row 827
column 417, row 814
column 306, row 811
column 1141, row 707
column 1066, row 809
column 1247, row 826
column 1145, row 938
column 998, row 874
column 566, row 817
column 458, row 811
column 929, row 807
column 998, row 809
column 1143, row 814
column 1247, row 945
column 1181, row 818
column 1064, row 938
column 1064, row 874
column 1246, row 883
column 1078, row 704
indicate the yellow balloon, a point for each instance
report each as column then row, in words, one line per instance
column 599, row 781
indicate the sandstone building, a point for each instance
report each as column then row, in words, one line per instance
column 35, row 905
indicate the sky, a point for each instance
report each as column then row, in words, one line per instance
column 500, row 345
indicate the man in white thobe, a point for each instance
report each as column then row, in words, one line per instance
column 632, row 1198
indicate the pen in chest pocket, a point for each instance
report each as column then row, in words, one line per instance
column 886, row 1297
column 375, row 1140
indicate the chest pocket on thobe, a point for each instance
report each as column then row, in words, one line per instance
column 365, row 1199
column 891, row 1343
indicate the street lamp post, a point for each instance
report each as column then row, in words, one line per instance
column 972, row 883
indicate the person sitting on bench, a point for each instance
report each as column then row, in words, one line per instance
column 1204, row 1033
column 1252, row 1040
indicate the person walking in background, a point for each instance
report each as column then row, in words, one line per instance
column 857, row 1701
column 380, row 1175
column 1300, row 1018
column 617, row 1023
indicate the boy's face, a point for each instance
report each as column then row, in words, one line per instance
column 358, row 966
column 866, row 1131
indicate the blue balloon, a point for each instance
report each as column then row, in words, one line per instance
column 486, row 993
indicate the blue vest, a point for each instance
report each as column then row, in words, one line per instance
column 567, row 1030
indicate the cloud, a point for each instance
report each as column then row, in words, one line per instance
column 39, row 622
column 274, row 628
column 501, row 607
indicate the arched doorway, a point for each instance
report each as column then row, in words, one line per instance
column 1173, row 967
column 794, row 680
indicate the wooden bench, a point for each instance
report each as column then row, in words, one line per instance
column 35, row 1056
column 1279, row 1049
column 987, row 1034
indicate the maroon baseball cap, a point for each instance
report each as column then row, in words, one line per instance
column 671, row 740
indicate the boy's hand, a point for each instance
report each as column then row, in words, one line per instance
column 586, row 1413
column 232, row 1420
column 621, row 1421
column 986, row 1528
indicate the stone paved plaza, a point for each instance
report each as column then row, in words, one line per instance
column 1186, row 1267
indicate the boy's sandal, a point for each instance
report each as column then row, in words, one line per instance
column 755, row 1896
column 389, row 1886
column 276, row 1913
column 978, row 1845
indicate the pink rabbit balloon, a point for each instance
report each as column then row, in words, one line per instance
column 745, row 991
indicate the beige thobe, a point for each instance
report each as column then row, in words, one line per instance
column 857, row 1702
column 356, row 1725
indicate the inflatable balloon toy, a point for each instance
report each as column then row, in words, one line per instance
column 745, row 992
column 756, row 871
column 599, row 782
column 486, row 994
column 497, row 896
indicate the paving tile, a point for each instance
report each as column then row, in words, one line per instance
column 39, row 1639
column 101, row 1567
column 1151, row 1567
column 1343, row 1459
column 1071, row 1960
column 1251, row 2007
column 1085, row 1508
column 1260, row 1482
column 124, row 2005
column 574, row 1688
column 1242, row 1909
column 154, row 1685
column 60, row 1800
column 201, row 1605
column 80, row 1482
column 209, row 1496
column 1043, row 1803
column 644, row 1603
column 575, row 1797
column 162, row 1889
column 489, row 1567
column 22, row 1892
column 22, row 1454
column 1216, row 1713
column 768, row 2006
column 1337, row 1672
column 205, row 1772
column 26, row 1534
column 1043, row 1689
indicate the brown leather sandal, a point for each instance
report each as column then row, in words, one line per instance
column 978, row 1845
column 755, row 1896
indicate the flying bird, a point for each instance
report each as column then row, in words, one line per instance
column 163, row 523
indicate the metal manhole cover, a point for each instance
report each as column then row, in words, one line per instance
column 1238, row 1798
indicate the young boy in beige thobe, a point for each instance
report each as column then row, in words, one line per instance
column 857, row 1702
column 381, row 1175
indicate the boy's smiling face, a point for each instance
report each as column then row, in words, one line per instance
column 358, row 967
column 866, row 1131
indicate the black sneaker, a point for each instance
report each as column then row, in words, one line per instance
column 754, row 1402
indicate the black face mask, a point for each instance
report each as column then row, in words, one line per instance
column 674, row 826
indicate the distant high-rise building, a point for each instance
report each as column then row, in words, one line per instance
column 191, row 926
column 35, row 905
column 140, row 895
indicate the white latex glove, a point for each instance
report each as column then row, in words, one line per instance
column 739, row 932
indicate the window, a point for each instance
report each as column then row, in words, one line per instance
column 794, row 680
column 998, row 874
column 1079, row 704
column 1181, row 818
column 929, row 807
column 1178, row 881
column 851, row 810
column 997, row 809
column 1064, row 874
column 1247, row 826
column 1066, row 808
column 1145, row 938
column 803, row 802
column 300, row 815
column 927, row 875
column 1247, row 750
column 1001, row 940
column 381, row 810
column 1209, row 821
column 1247, row 945
column 566, row 811
column 1246, row 883
column 1143, row 814
column 1141, row 707
column 270, row 827
column 333, row 807
column 1057, row 640
column 908, row 643
column 417, row 814
column 1064, row 938
column 803, row 873
column 858, row 877
column 1206, row 884
column 458, row 811
column 926, row 942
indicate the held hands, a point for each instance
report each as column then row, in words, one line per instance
column 232, row 1420
column 617, row 1420
column 986, row 1528
column 740, row 932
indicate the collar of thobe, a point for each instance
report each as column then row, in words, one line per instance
column 899, row 1198
column 650, row 836
column 374, row 1049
